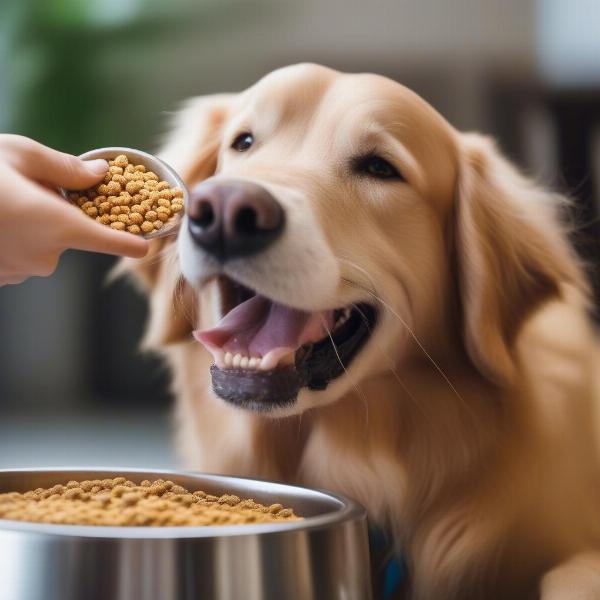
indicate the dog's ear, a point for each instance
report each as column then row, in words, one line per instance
column 191, row 147
column 511, row 252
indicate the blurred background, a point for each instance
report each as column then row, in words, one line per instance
column 79, row 75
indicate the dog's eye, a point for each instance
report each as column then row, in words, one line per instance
column 375, row 166
column 243, row 141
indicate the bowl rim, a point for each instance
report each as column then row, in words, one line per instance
column 168, row 172
column 349, row 510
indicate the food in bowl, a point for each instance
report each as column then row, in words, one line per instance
column 130, row 198
column 120, row 502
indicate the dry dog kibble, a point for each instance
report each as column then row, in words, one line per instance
column 119, row 501
column 130, row 189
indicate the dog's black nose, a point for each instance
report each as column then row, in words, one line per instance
column 233, row 218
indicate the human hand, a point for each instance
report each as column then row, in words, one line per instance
column 36, row 224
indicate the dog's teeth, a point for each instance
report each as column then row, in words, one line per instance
column 219, row 361
column 274, row 358
column 344, row 315
column 340, row 322
column 267, row 362
column 288, row 359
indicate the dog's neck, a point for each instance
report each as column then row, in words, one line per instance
column 416, row 439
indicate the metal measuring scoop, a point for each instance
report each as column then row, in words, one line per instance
column 152, row 163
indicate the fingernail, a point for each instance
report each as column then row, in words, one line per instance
column 98, row 166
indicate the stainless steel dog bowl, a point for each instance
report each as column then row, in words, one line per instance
column 325, row 556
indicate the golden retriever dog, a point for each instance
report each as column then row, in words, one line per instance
column 362, row 298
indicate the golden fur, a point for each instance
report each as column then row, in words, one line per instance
column 469, row 424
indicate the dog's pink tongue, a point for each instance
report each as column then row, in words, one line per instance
column 259, row 326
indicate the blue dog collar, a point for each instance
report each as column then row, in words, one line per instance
column 388, row 570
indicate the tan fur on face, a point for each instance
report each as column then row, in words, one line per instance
column 468, row 425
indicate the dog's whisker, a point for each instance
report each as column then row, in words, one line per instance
column 358, row 390
column 392, row 368
column 437, row 367
column 412, row 334
column 299, row 432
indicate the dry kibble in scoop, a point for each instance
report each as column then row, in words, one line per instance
column 130, row 198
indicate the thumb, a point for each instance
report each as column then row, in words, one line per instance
column 56, row 168
column 79, row 174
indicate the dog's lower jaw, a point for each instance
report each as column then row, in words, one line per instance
column 314, row 366
column 258, row 391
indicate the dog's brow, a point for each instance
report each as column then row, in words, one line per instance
column 409, row 166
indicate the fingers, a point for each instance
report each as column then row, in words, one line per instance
column 43, row 164
column 86, row 234
column 59, row 225
column 41, row 220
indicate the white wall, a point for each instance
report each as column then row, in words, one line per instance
column 475, row 31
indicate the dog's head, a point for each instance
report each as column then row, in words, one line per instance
column 338, row 225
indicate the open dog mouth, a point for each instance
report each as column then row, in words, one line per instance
column 265, row 352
